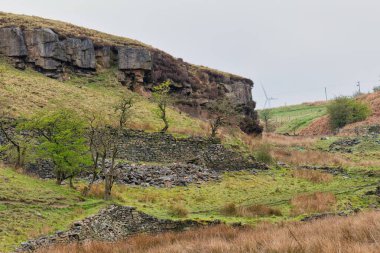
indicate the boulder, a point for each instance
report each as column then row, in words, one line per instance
column 12, row 42
column 81, row 53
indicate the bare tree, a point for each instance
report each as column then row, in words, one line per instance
column 221, row 112
column 16, row 140
column 163, row 99
column 92, row 135
column 266, row 116
column 123, row 108
column 108, row 139
column 103, row 142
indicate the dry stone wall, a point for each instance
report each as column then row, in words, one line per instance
column 111, row 224
column 139, row 146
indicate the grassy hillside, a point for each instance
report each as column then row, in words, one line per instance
column 321, row 125
column 24, row 92
column 30, row 207
column 274, row 189
column 292, row 119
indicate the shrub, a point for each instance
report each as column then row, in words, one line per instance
column 376, row 88
column 345, row 110
column 263, row 153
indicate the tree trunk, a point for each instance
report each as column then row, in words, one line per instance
column 107, row 187
column 59, row 180
column 18, row 162
column 165, row 120
column 71, row 182
column 94, row 175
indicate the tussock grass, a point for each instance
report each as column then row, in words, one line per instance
column 232, row 209
column 178, row 210
column 313, row 176
column 359, row 233
column 97, row 191
column 313, row 203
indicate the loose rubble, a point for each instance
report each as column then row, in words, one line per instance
column 164, row 176
column 111, row 224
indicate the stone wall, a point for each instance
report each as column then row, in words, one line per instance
column 139, row 146
column 111, row 224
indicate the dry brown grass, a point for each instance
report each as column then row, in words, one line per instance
column 309, row 157
column 97, row 191
column 313, row 203
column 289, row 141
column 313, row 176
column 179, row 210
column 44, row 230
column 358, row 234
column 149, row 197
column 232, row 209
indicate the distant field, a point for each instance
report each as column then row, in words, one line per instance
column 291, row 119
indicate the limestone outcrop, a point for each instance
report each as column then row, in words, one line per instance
column 134, row 65
column 12, row 42
column 139, row 67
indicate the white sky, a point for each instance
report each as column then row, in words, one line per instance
column 294, row 48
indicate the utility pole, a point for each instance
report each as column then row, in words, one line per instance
column 326, row 93
column 358, row 84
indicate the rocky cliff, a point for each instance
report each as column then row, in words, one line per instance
column 56, row 49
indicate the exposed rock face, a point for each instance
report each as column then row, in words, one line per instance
column 111, row 224
column 12, row 42
column 134, row 64
column 81, row 52
column 138, row 67
column 131, row 58
column 45, row 50
column 103, row 56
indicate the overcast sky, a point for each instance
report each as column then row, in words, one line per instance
column 294, row 48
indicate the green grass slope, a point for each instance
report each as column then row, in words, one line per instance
column 23, row 93
column 30, row 207
column 274, row 189
column 291, row 119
